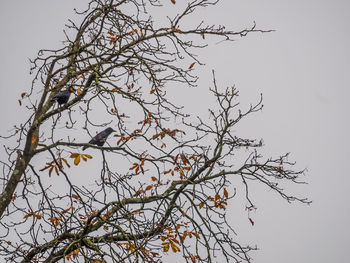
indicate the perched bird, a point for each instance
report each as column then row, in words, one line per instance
column 62, row 97
column 100, row 138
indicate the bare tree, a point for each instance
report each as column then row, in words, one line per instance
column 164, row 176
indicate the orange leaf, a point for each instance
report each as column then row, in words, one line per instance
column 34, row 139
column 79, row 91
column 28, row 215
column 201, row 205
column 154, row 179
column 174, row 247
column 166, row 172
column 191, row 66
column 196, row 235
column 149, row 187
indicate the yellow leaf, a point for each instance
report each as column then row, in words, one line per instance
column 88, row 156
column 77, row 160
column 182, row 174
column 166, row 247
column 74, row 155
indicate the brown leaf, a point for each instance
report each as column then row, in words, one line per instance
column 149, row 187
column 191, row 66
column 76, row 196
column 20, row 102
column 154, row 179
column 173, row 1
column 184, row 159
column 225, row 193
column 37, row 216
column 23, row 94
column 251, row 221
column 28, row 215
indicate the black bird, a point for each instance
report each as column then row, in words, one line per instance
column 100, row 138
column 62, row 97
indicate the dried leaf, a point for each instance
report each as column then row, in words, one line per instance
column 34, row 139
column 174, row 247
column 77, row 160
column 88, row 156
column 76, row 196
column 173, row 1
column 225, row 193
column 251, row 221
column 37, row 216
column 166, row 247
column 79, row 91
column 154, row 179
column 191, row 66
column 196, row 235
column 149, row 187
column 74, row 155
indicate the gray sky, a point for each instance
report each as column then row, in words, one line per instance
column 303, row 71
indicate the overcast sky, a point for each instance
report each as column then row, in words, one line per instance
column 303, row 71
